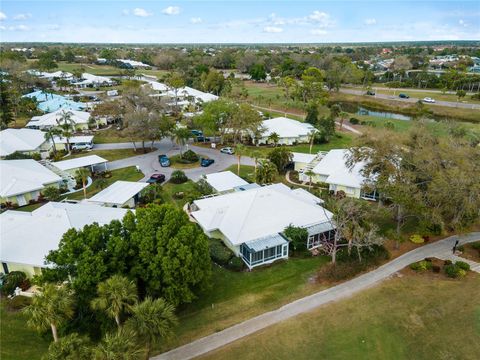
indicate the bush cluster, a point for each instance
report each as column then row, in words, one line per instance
column 13, row 280
column 417, row 239
column 354, row 121
column 219, row 253
column 178, row 177
column 421, row 265
column 189, row 156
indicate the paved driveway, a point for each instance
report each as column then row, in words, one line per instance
column 440, row 249
column 149, row 164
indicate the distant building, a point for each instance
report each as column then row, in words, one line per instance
column 290, row 131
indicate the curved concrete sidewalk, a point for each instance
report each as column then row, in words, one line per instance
column 439, row 249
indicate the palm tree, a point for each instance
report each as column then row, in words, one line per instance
column 343, row 116
column 274, row 137
column 310, row 175
column 115, row 296
column 311, row 136
column 267, row 171
column 83, row 174
column 180, row 137
column 120, row 345
column 50, row 308
column 67, row 126
column 240, row 150
column 152, row 320
column 50, row 136
column 256, row 155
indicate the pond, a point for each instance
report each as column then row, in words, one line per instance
column 362, row 110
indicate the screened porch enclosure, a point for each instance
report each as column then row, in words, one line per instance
column 320, row 233
column 264, row 250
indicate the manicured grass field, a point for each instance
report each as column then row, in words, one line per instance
column 126, row 174
column 437, row 96
column 237, row 296
column 30, row 208
column 18, row 342
column 414, row 317
column 93, row 69
column 169, row 189
column 110, row 155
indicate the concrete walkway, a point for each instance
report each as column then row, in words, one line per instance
column 309, row 303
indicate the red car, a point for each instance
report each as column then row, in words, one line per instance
column 156, row 178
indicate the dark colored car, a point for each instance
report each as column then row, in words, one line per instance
column 404, row 96
column 196, row 132
column 371, row 93
column 202, row 139
column 206, row 162
column 156, row 178
column 163, row 160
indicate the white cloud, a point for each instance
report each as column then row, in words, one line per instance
column 2, row 16
column 371, row 21
column 171, row 10
column 196, row 20
column 462, row 22
column 321, row 18
column 19, row 28
column 272, row 29
column 2, row 27
column 53, row 27
column 22, row 16
column 318, row 32
column 141, row 12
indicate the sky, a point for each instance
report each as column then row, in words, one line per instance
column 247, row 21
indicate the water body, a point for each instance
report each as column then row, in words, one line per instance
column 362, row 110
column 383, row 114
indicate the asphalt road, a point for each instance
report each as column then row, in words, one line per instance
column 149, row 164
column 411, row 100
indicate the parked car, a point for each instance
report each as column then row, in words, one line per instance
column 371, row 93
column 206, row 162
column 404, row 96
column 163, row 160
column 196, row 132
column 227, row 150
column 156, row 178
column 82, row 146
column 202, row 138
column 428, row 100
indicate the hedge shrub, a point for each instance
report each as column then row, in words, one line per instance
column 463, row 265
column 421, row 265
column 417, row 239
column 454, row 271
column 178, row 177
column 236, row 264
column 190, row 156
column 13, row 280
column 219, row 253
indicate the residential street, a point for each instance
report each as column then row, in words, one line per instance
column 440, row 249
column 149, row 164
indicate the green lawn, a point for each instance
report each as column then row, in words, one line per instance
column 111, row 135
column 126, row 174
column 30, row 208
column 414, row 317
column 18, row 342
column 434, row 95
column 94, row 69
column 247, row 172
column 110, row 155
column 237, row 296
column 169, row 189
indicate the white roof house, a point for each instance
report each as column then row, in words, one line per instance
column 302, row 157
column 197, row 95
column 331, row 168
column 157, row 86
column 28, row 237
column 73, row 139
column 21, row 140
column 224, row 181
column 289, row 131
column 134, row 63
column 90, row 79
column 24, row 176
column 52, row 119
column 120, row 193
column 255, row 217
column 80, row 162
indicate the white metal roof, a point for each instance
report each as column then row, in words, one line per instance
column 21, row 176
column 73, row 139
column 191, row 92
column 79, row 162
column 286, row 128
column 225, row 180
column 28, row 237
column 248, row 215
column 302, row 157
column 12, row 140
column 266, row 242
column 333, row 165
column 51, row 119
column 118, row 193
